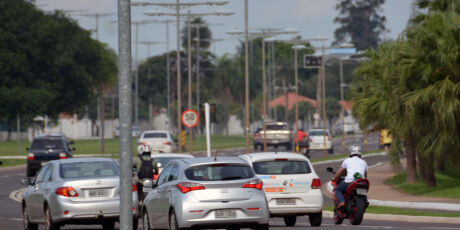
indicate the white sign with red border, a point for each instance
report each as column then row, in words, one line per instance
column 190, row 118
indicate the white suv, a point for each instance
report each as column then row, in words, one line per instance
column 291, row 185
column 317, row 137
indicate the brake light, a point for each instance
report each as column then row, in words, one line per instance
column 255, row 184
column 281, row 159
column 66, row 191
column 333, row 182
column 186, row 187
column 316, row 183
column 62, row 156
column 167, row 143
column 141, row 143
column 134, row 187
column 30, row 156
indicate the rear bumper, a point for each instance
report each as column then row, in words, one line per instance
column 306, row 203
column 320, row 146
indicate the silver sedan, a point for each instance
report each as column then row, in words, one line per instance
column 74, row 191
column 206, row 193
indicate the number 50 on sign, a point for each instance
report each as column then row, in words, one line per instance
column 190, row 118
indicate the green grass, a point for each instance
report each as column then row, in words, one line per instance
column 448, row 185
column 401, row 211
column 12, row 162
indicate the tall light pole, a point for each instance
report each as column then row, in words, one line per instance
column 246, row 72
column 177, row 6
column 189, row 57
column 296, row 69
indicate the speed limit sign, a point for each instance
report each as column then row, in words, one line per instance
column 190, row 118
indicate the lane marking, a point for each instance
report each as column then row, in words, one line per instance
column 16, row 195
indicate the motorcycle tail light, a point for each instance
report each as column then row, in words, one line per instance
column 255, row 184
column 30, row 156
column 62, row 156
column 333, row 182
column 186, row 187
column 316, row 183
column 66, row 191
column 134, row 187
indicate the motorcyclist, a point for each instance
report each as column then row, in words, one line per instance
column 144, row 154
column 300, row 137
column 354, row 167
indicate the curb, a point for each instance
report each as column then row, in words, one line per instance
column 404, row 218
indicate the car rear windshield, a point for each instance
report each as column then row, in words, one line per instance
column 89, row 169
column 219, row 172
column 47, row 144
column 155, row 135
column 277, row 127
column 318, row 133
column 281, row 167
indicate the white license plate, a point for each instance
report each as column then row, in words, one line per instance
column 144, row 189
column 98, row 193
column 225, row 213
column 361, row 191
column 285, row 201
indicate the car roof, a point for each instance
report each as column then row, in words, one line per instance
column 208, row 160
column 161, row 155
column 82, row 159
column 272, row 155
column 50, row 135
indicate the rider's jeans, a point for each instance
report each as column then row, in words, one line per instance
column 340, row 190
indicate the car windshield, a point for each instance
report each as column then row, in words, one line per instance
column 281, row 167
column 155, row 135
column 89, row 169
column 165, row 160
column 277, row 127
column 219, row 172
column 47, row 144
column 318, row 133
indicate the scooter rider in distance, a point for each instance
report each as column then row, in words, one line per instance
column 355, row 168
column 145, row 166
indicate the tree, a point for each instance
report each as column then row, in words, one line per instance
column 360, row 22
column 205, row 34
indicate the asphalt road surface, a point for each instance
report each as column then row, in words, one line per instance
column 11, row 217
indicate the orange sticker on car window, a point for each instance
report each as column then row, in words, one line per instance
column 272, row 177
column 274, row 189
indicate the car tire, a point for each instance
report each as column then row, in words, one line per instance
column 26, row 221
column 262, row 227
column 255, row 146
column 289, row 146
column 145, row 221
column 135, row 222
column 290, row 220
column 315, row 219
column 331, row 150
column 173, row 225
column 109, row 225
column 49, row 223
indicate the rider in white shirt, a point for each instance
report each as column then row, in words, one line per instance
column 353, row 166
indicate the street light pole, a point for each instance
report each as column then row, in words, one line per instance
column 342, row 109
column 264, row 109
column 246, row 72
column 189, row 55
column 323, row 91
column 136, row 81
column 179, row 125
column 296, row 95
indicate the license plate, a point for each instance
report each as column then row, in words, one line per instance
column 98, row 193
column 144, row 189
column 225, row 213
column 285, row 201
column 361, row 191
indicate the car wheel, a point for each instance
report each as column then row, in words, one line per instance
column 316, row 219
column 135, row 222
column 262, row 227
column 26, row 221
column 255, row 146
column 30, row 172
column 49, row 224
column 331, row 150
column 109, row 225
column 290, row 220
column 173, row 225
column 289, row 146
column 145, row 221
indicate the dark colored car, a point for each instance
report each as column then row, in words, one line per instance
column 45, row 148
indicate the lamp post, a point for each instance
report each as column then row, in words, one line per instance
column 296, row 69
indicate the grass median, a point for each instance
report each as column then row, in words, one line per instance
column 448, row 185
column 400, row 211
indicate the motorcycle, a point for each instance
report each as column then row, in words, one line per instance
column 355, row 200
column 304, row 147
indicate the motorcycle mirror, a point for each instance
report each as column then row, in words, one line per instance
column 330, row 169
column 26, row 181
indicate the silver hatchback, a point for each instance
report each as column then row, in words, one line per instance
column 74, row 191
column 203, row 192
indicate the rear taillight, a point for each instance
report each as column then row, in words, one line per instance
column 328, row 138
column 186, row 187
column 333, row 182
column 281, row 159
column 316, row 183
column 134, row 187
column 66, row 191
column 256, row 184
column 167, row 143
column 30, row 156
column 141, row 143
column 62, row 156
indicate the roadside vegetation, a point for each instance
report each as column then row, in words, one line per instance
column 400, row 211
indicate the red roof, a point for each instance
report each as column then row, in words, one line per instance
column 281, row 100
column 347, row 105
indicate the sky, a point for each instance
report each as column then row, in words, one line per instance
column 313, row 18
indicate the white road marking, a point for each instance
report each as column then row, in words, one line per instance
column 16, row 195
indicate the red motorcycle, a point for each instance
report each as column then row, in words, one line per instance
column 355, row 200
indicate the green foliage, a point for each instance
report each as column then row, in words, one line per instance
column 361, row 22
column 205, row 34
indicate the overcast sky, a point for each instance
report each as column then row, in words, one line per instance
column 313, row 18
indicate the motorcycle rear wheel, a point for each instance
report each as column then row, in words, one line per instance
column 357, row 214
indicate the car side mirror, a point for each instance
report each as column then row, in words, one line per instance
column 135, row 172
column 26, row 181
column 73, row 149
column 1, row 163
column 27, row 148
column 330, row 169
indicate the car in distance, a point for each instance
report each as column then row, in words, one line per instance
column 135, row 132
column 159, row 141
column 75, row 191
column 164, row 158
column 291, row 185
column 47, row 147
column 276, row 134
column 317, row 137
column 205, row 192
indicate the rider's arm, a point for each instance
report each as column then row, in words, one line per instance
column 339, row 173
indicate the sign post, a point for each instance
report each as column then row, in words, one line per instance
column 190, row 119
column 208, row 138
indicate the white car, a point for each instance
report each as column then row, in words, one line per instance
column 317, row 137
column 159, row 141
column 291, row 185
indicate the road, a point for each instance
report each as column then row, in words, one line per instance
column 11, row 217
